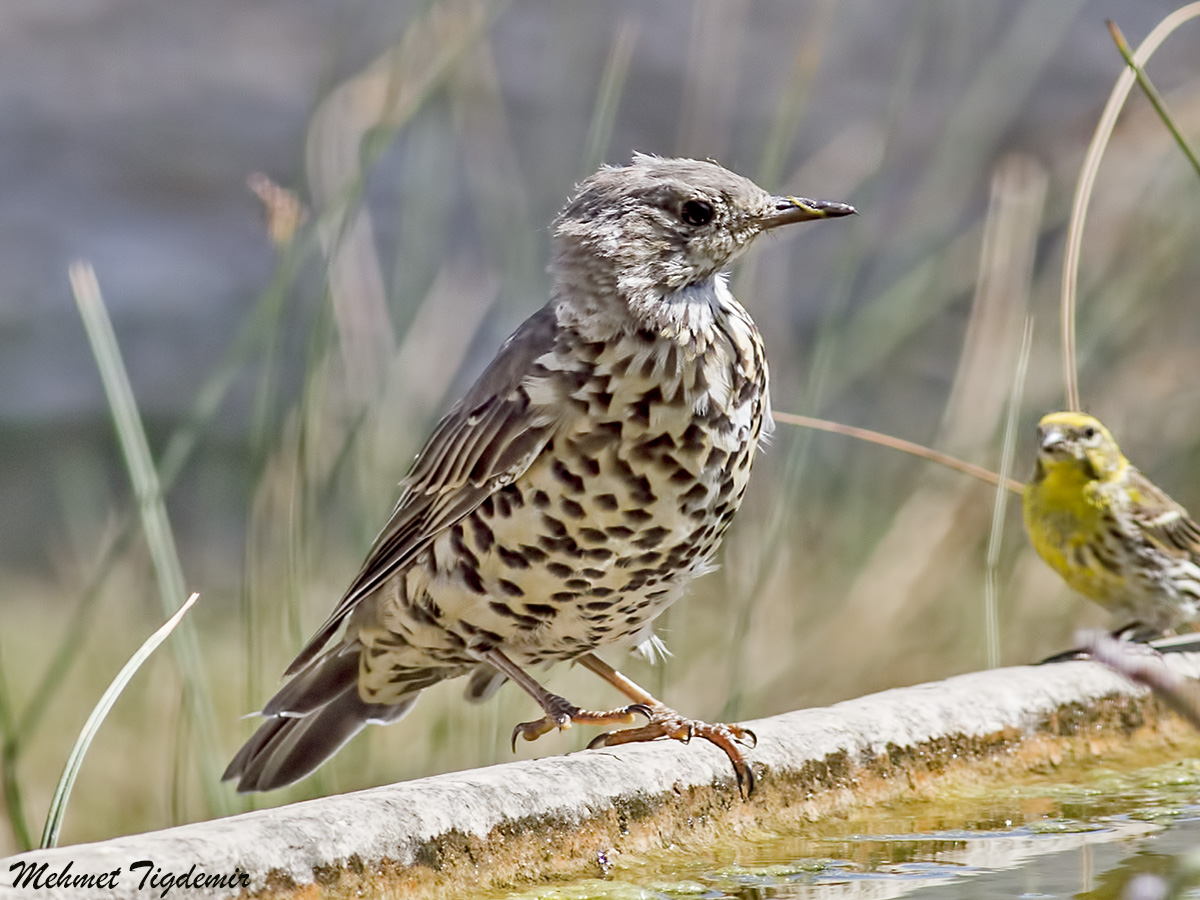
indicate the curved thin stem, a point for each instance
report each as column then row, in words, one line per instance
column 1087, row 180
column 886, row 440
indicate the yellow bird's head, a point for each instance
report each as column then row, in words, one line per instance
column 1073, row 441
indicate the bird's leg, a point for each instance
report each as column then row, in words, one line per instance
column 667, row 723
column 1072, row 655
column 1134, row 634
column 560, row 713
column 1137, row 632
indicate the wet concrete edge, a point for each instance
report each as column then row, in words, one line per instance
column 570, row 816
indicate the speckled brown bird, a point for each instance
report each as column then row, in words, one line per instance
column 572, row 494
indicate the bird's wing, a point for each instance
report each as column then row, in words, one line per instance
column 484, row 443
column 1162, row 518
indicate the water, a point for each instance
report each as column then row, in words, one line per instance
column 1096, row 833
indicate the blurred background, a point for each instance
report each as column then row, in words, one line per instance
column 287, row 366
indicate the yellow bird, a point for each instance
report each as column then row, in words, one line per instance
column 1109, row 532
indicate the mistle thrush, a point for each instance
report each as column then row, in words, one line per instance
column 568, row 499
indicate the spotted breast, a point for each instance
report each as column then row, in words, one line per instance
column 626, row 503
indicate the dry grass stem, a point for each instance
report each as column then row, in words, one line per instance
column 895, row 443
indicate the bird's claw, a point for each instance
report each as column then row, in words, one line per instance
column 563, row 716
column 1133, row 638
column 531, row 731
column 666, row 723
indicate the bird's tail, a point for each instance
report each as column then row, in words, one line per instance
column 309, row 720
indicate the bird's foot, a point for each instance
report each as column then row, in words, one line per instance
column 1134, row 635
column 666, row 723
column 1065, row 656
column 561, row 714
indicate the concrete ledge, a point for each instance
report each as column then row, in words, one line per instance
column 569, row 816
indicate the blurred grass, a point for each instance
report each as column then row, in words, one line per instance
column 850, row 568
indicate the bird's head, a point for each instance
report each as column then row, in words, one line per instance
column 1076, row 441
column 647, row 230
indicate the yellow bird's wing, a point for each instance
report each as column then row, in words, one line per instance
column 1162, row 518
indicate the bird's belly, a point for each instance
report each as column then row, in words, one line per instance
column 1084, row 559
column 1124, row 572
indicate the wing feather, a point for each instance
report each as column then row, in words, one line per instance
column 486, row 441
column 1162, row 518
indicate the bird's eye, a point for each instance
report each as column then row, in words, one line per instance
column 1089, row 433
column 697, row 212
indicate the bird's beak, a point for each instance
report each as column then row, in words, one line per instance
column 800, row 209
column 1050, row 438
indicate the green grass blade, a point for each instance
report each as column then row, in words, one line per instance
column 10, row 749
column 62, row 791
column 152, row 510
column 609, row 93
column 1087, row 181
column 991, row 616
column 1152, row 94
column 257, row 330
column 134, row 445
